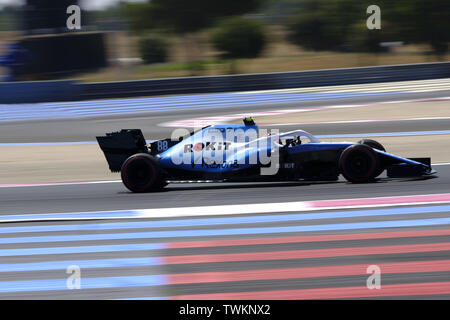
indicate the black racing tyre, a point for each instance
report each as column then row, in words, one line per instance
column 373, row 144
column 359, row 163
column 142, row 173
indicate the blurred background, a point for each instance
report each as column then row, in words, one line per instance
column 61, row 87
column 142, row 39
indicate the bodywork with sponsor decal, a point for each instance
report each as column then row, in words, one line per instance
column 233, row 152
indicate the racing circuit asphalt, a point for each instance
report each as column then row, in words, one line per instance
column 87, row 128
column 114, row 196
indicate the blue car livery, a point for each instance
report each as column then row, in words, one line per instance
column 233, row 152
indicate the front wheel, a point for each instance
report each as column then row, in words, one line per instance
column 373, row 144
column 142, row 173
column 359, row 163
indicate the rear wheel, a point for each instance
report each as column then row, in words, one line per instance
column 359, row 163
column 141, row 173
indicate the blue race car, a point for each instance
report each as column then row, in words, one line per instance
column 232, row 152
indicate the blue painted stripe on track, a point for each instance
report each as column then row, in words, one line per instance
column 83, row 264
column 228, row 220
column 180, row 102
column 148, row 105
column 187, row 99
column 73, row 215
column 352, row 135
column 208, row 97
column 86, row 283
column 82, row 249
column 231, row 231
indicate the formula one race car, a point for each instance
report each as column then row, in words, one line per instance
column 232, row 152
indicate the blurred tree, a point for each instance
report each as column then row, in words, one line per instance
column 325, row 24
column 279, row 10
column 181, row 16
column 186, row 17
column 309, row 30
column 10, row 18
column 339, row 24
column 238, row 37
column 110, row 18
column 189, row 16
column 360, row 39
column 422, row 21
column 153, row 49
column 140, row 16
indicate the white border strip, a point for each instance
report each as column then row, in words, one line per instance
column 237, row 209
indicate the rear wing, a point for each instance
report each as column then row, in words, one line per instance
column 118, row 146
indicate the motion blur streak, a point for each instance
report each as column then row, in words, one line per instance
column 88, row 283
column 336, row 237
column 143, row 105
column 355, row 135
column 61, row 110
column 200, row 264
column 307, row 254
column 228, row 220
column 310, row 272
column 401, row 290
column 223, row 232
column 299, row 206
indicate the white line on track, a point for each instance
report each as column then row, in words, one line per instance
column 409, row 86
column 203, row 121
column 354, row 121
column 225, row 210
